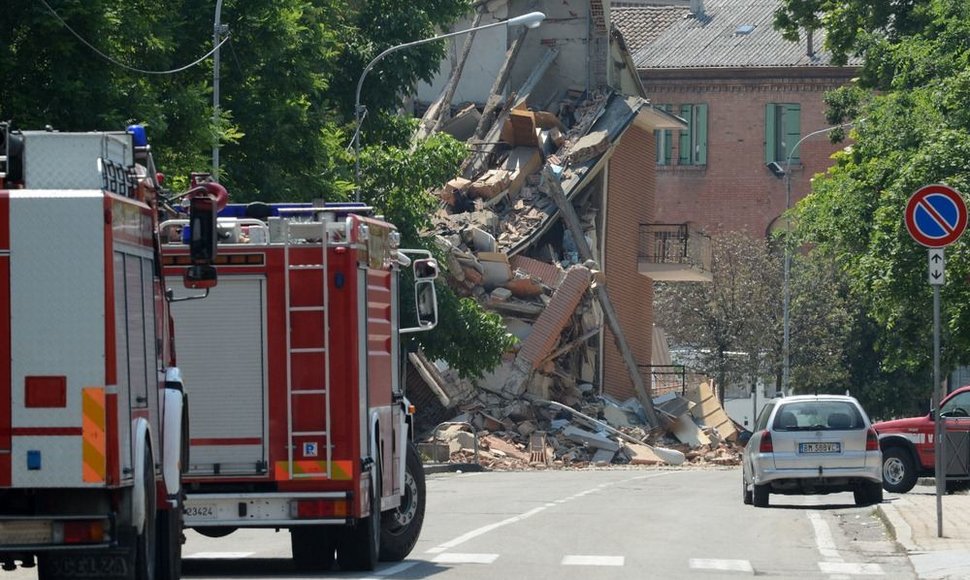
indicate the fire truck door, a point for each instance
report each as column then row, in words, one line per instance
column 220, row 342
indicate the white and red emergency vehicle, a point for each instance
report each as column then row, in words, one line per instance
column 92, row 421
column 299, row 419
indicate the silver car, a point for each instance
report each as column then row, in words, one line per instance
column 812, row 444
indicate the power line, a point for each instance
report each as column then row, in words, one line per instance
column 123, row 65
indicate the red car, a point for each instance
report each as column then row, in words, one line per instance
column 908, row 444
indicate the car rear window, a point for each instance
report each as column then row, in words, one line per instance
column 818, row 416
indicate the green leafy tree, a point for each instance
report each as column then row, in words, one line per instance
column 287, row 82
column 730, row 324
column 916, row 131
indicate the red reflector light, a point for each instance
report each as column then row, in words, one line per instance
column 872, row 440
column 766, row 446
column 84, row 532
column 319, row 508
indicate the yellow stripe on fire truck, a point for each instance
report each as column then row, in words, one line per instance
column 342, row 470
column 93, row 456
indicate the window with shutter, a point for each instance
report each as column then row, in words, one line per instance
column 783, row 127
column 693, row 141
column 665, row 141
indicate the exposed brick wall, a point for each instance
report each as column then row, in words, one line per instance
column 549, row 326
column 629, row 202
column 735, row 191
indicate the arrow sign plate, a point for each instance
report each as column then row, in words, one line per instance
column 937, row 267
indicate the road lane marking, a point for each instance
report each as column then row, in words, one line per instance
column 592, row 560
column 724, row 565
column 823, row 538
column 395, row 569
column 484, row 530
column 220, row 555
column 457, row 558
column 488, row 528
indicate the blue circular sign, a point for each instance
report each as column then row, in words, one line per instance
column 936, row 215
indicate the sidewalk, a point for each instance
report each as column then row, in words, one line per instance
column 913, row 518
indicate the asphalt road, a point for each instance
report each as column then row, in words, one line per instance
column 602, row 524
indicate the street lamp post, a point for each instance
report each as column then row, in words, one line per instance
column 217, row 31
column 530, row 20
column 786, row 315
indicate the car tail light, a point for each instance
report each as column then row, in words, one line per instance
column 766, row 446
column 872, row 440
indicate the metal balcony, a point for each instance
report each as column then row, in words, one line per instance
column 674, row 253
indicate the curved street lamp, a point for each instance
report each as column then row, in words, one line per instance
column 530, row 20
column 786, row 316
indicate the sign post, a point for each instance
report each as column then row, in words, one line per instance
column 936, row 216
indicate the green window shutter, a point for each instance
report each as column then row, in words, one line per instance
column 793, row 131
column 664, row 140
column 700, row 150
column 668, row 141
column 770, row 145
column 685, row 149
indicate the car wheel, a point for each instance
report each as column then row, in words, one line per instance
column 760, row 495
column 898, row 470
column 745, row 492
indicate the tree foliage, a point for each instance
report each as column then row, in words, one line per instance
column 916, row 131
column 287, row 85
column 729, row 323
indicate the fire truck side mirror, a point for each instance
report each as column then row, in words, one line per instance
column 202, row 243
column 425, row 269
column 200, row 277
column 426, row 302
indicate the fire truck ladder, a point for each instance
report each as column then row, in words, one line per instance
column 305, row 396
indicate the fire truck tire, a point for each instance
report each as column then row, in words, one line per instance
column 145, row 543
column 358, row 545
column 170, row 540
column 401, row 527
column 313, row 548
column 898, row 470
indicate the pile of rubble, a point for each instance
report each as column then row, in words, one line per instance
column 532, row 433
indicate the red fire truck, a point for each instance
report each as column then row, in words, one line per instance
column 92, row 424
column 299, row 419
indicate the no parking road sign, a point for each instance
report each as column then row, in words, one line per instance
column 936, row 215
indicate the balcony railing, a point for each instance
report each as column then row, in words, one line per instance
column 674, row 253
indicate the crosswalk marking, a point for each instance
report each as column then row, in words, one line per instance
column 715, row 564
column 592, row 560
column 458, row 558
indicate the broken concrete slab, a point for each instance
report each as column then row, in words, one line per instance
column 521, row 163
column 496, row 270
column 688, row 432
column 591, row 439
column 710, row 412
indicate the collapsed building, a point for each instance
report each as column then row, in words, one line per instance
column 550, row 225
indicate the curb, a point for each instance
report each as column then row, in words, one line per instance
column 452, row 467
column 901, row 530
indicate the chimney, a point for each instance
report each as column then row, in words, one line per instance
column 810, row 51
column 697, row 8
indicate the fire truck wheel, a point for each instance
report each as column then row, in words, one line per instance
column 898, row 470
column 145, row 543
column 170, row 540
column 358, row 545
column 313, row 548
column 401, row 526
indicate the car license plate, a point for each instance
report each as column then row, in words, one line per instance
column 819, row 447
column 200, row 511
